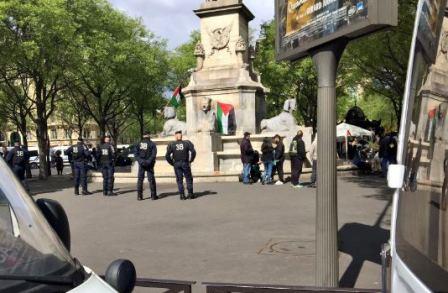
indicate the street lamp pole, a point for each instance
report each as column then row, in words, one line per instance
column 326, row 60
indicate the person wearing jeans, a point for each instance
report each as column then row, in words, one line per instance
column 279, row 160
column 267, row 158
column 247, row 153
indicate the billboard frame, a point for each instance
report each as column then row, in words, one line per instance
column 381, row 14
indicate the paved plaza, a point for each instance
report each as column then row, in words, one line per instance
column 231, row 233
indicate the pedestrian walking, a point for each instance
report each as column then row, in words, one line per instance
column 59, row 162
column 279, row 160
column 313, row 160
column 181, row 154
column 267, row 157
column 247, row 153
column 80, row 154
column 388, row 153
column 297, row 153
column 105, row 156
column 146, row 158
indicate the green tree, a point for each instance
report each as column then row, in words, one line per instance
column 182, row 60
column 379, row 62
column 286, row 80
column 120, row 62
column 37, row 45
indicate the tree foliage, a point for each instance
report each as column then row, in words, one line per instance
column 83, row 57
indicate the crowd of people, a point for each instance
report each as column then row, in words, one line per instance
column 374, row 157
column 272, row 157
column 369, row 156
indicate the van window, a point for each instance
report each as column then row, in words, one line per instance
column 422, row 224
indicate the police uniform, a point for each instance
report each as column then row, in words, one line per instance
column 180, row 154
column 146, row 158
column 18, row 158
column 79, row 154
column 106, row 159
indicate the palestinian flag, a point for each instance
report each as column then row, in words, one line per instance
column 223, row 114
column 176, row 99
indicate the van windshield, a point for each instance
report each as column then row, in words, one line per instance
column 28, row 245
column 422, row 223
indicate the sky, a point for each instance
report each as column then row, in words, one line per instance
column 174, row 20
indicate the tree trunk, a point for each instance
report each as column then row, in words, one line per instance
column 141, row 123
column 43, row 143
column 102, row 126
column 23, row 132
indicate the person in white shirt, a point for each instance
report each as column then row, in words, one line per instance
column 312, row 156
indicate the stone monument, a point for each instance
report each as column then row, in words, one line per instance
column 224, row 73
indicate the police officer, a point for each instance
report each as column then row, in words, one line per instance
column 79, row 154
column 18, row 158
column 180, row 154
column 146, row 157
column 105, row 156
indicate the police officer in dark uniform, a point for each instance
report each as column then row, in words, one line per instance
column 180, row 154
column 146, row 157
column 79, row 154
column 105, row 156
column 18, row 158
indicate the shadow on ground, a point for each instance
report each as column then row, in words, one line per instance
column 52, row 184
column 363, row 242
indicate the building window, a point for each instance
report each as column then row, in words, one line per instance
column 86, row 133
column 54, row 133
column 68, row 134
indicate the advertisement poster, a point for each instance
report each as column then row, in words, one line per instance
column 307, row 20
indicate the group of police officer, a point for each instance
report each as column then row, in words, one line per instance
column 180, row 154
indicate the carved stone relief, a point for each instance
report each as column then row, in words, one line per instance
column 220, row 38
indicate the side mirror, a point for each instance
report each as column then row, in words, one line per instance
column 57, row 218
column 121, row 275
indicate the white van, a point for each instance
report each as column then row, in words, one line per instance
column 419, row 244
column 35, row 245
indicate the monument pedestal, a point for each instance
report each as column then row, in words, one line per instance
column 224, row 70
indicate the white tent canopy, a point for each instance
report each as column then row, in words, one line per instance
column 348, row 130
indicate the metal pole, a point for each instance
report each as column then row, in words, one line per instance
column 326, row 60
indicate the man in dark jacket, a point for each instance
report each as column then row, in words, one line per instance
column 247, row 153
column 297, row 153
column 181, row 154
column 146, row 157
column 18, row 158
column 388, row 152
column 267, row 158
column 80, row 154
column 105, row 156
column 279, row 159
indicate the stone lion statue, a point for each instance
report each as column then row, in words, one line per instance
column 206, row 117
column 172, row 124
column 284, row 122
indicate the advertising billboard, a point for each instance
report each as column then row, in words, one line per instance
column 305, row 24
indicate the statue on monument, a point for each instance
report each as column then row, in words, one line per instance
column 206, row 117
column 172, row 124
column 284, row 122
column 199, row 53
